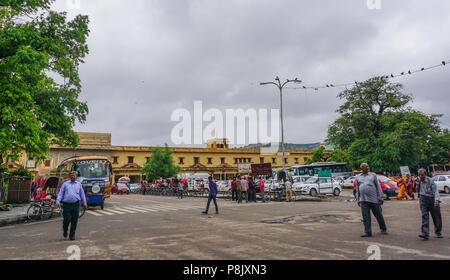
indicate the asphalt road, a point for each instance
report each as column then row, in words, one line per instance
column 161, row 228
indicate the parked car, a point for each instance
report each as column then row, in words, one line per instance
column 388, row 186
column 299, row 180
column 122, row 189
column 314, row 186
column 272, row 185
column 341, row 180
column 349, row 182
column 442, row 183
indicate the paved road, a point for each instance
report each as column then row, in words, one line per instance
column 147, row 227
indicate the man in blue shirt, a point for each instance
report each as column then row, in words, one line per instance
column 212, row 195
column 71, row 194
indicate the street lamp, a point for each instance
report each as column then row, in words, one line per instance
column 280, row 86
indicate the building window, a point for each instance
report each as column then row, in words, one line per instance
column 222, row 160
column 305, row 159
column 285, row 161
column 147, row 159
column 130, row 159
column 249, row 160
column 181, row 160
column 9, row 159
column 48, row 163
column 196, row 160
column 261, row 160
column 274, row 160
column 115, row 160
column 235, row 161
column 209, row 160
column 296, row 161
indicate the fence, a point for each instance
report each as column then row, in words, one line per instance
column 19, row 190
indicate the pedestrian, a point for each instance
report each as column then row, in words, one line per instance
column 288, row 185
column 234, row 191
column 261, row 189
column 239, row 189
column 180, row 186
column 244, row 189
column 143, row 185
column 251, row 189
column 370, row 198
column 429, row 204
column 70, row 194
column 212, row 195
column 410, row 187
column 401, row 189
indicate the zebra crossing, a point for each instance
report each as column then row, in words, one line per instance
column 135, row 209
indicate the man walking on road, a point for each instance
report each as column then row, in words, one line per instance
column 429, row 203
column 212, row 196
column 71, row 194
column 370, row 197
column 288, row 185
column 239, row 189
column 234, row 191
column 244, row 188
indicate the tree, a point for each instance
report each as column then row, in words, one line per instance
column 318, row 155
column 338, row 156
column 40, row 52
column 377, row 126
column 160, row 164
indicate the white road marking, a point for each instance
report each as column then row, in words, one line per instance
column 104, row 212
column 146, row 208
column 94, row 213
column 126, row 210
column 135, row 209
column 165, row 208
column 116, row 211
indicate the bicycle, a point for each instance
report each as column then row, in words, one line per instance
column 41, row 210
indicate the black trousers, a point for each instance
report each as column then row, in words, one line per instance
column 70, row 216
column 366, row 207
column 234, row 195
column 427, row 208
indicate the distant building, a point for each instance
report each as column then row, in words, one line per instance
column 217, row 158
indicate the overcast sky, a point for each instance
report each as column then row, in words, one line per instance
column 150, row 57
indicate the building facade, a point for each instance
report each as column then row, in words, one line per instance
column 217, row 158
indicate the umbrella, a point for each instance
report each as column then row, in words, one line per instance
column 124, row 180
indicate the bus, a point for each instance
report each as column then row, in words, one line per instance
column 89, row 168
column 336, row 168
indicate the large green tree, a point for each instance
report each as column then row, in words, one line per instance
column 40, row 53
column 377, row 126
column 160, row 164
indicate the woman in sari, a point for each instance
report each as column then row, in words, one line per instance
column 401, row 189
column 410, row 187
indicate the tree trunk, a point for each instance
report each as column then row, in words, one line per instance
column 1, row 174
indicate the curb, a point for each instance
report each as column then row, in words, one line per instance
column 14, row 220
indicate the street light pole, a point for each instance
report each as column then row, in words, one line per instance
column 280, row 86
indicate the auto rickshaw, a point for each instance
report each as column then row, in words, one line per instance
column 95, row 192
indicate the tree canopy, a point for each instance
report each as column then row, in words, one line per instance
column 40, row 53
column 377, row 126
column 160, row 164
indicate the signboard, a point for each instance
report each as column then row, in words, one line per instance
column 285, row 153
column 262, row 169
column 244, row 168
column 323, row 174
column 405, row 170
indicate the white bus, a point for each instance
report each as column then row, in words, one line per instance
column 336, row 168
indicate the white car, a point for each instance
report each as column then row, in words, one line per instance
column 349, row 182
column 442, row 183
column 327, row 186
column 272, row 184
column 299, row 181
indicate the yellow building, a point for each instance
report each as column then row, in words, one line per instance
column 217, row 158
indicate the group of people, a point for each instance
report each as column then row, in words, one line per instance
column 406, row 188
column 245, row 188
column 370, row 198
